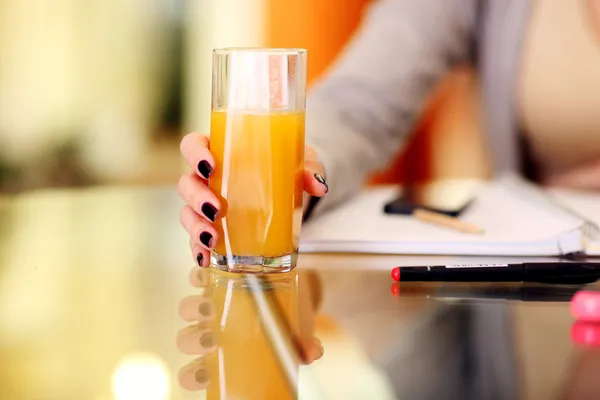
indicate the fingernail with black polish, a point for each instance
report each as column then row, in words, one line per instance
column 201, row 375
column 205, row 309
column 207, row 339
column 322, row 181
column 206, row 239
column 204, row 168
column 199, row 259
column 209, row 211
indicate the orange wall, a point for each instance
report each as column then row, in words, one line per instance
column 448, row 141
column 320, row 26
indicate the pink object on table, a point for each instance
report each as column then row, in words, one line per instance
column 586, row 334
column 585, row 306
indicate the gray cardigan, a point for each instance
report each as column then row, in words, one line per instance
column 360, row 113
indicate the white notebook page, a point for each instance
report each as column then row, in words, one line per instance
column 513, row 226
column 586, row 204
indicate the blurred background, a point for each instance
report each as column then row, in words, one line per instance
column 101, row 91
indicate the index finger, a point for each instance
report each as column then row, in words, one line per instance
column 195, row 149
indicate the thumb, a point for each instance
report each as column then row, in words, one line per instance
column 312, row 350
column 315, row 183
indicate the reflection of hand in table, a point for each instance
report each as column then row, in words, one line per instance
column 200, row 338
column 309, row 300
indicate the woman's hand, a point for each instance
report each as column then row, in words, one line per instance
column 203, row 206
column 205, row 335
column 585, row 177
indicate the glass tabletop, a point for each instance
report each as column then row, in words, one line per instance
column 100, row 300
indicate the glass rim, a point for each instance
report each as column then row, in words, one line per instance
column 260, row 50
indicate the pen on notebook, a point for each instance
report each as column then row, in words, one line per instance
column 557, row 273
column 446, row 221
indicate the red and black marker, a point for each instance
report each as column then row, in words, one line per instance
column 556, row 273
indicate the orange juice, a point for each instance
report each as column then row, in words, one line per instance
column 258, row 176
column 245, row 365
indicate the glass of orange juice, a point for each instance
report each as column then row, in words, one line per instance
column 257, row 139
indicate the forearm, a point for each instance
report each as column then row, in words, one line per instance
column 362, row 111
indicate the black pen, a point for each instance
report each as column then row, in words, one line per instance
column 543, row 272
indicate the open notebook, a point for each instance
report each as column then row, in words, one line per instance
column 518, row 218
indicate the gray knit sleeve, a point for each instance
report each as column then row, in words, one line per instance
column 360, row 112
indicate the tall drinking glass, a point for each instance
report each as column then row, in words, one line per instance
column 257, row 139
